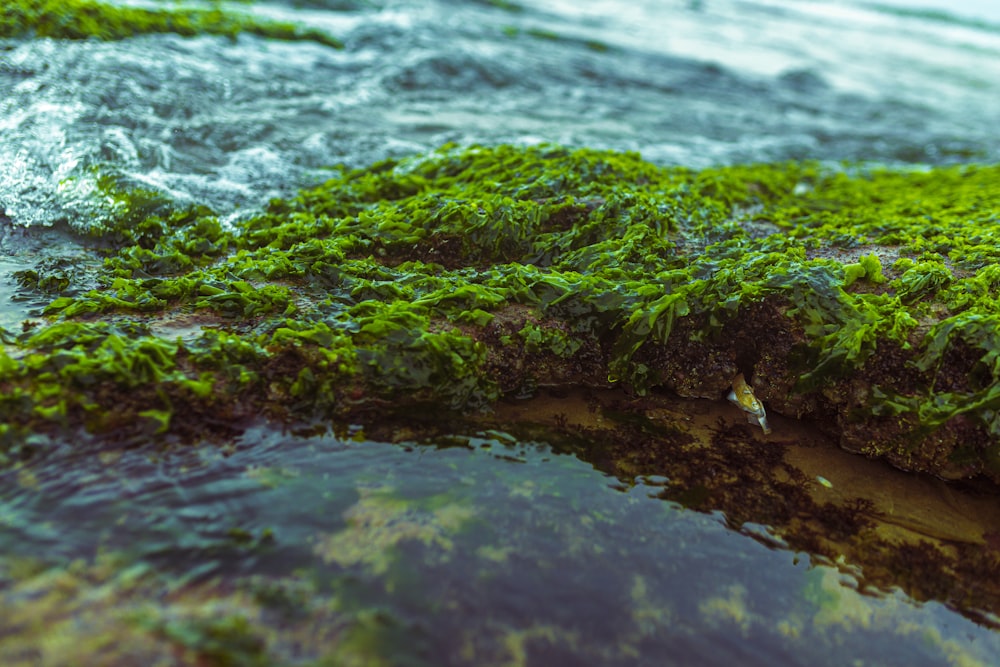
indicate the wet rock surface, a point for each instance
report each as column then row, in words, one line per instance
column 465, row 275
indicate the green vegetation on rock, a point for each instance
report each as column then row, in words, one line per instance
column 861, row 298
column 85, row 19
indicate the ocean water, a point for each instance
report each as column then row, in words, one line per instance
column 468, row 550
column 688, row 82
column 970, row 10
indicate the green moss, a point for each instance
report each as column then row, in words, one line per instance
column 225, row 640
column 113, row 611
column 411, row 280
column 868, row 267
column 540, row 33
column 537, row 339
column 550, row 36
column 506, row 5
column 86, row 19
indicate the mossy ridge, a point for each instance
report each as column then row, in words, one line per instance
column 87, row 19
column 455, row 276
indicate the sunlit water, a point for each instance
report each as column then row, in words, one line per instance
column 470, row 546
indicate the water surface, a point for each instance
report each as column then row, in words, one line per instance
column 469, row 550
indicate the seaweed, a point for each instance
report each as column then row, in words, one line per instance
column 861, row 297
column 90, row 19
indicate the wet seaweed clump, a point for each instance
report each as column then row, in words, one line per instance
column 91, row 19
column 861, row 298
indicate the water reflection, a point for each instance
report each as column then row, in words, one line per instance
column 485, row 550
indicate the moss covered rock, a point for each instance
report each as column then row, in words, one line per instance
column 89, row 19
column 860, row 298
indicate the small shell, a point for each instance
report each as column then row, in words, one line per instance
column 742, row 396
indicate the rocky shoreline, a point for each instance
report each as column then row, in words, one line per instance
column 862, row 300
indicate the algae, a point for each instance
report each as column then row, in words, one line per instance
column 112, row 612
column 91, row 19
column 861, row 297
column 380, row 523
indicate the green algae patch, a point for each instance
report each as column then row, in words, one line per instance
column 89, row 19
column 862, row 298
column 379, row 524
column 114, row 612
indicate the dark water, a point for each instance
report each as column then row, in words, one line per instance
column 473, row 551
column 479, row 553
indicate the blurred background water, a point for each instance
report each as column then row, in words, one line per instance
column 976, row 10
column 688, row 82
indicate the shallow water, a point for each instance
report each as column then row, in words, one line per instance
column 479, row 549
column 473, row 550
